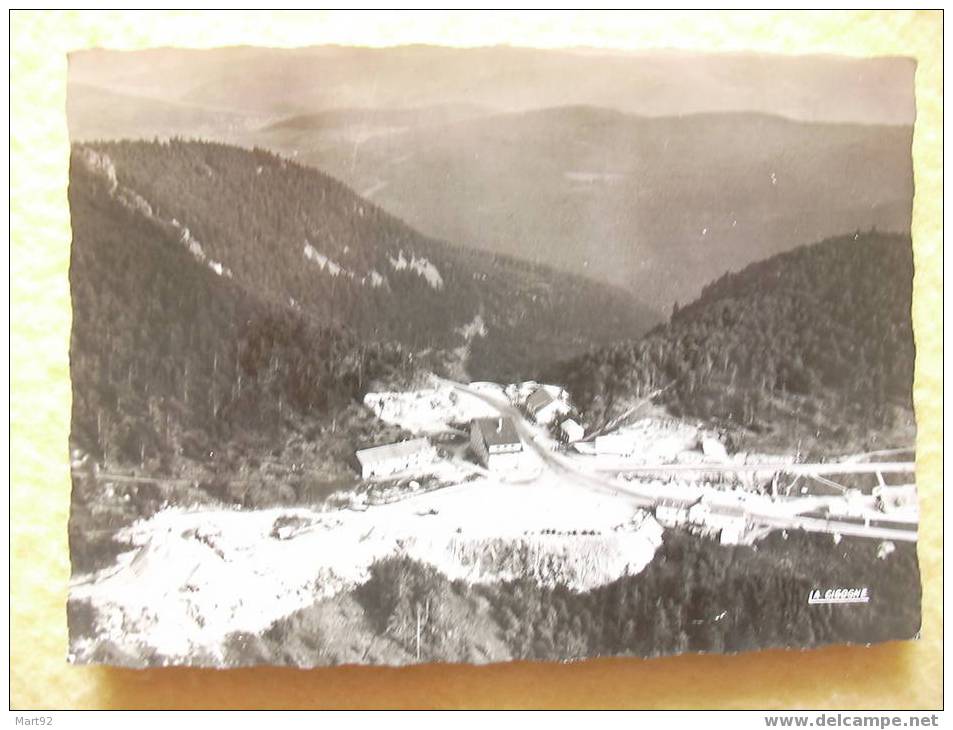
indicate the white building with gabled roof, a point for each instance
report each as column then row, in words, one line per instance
column 571, row 431
column 496, row 443
column 390, row 459
column 544, row 406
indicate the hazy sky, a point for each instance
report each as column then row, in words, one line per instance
column 284, row 82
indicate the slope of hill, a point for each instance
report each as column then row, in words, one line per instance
column 657, row 205
column 202, row 388
column 812, row 349
column 300, row 239
column 357, row 122
column 171, row 359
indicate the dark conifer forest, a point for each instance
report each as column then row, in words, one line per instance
column 694, row 596
column 169, row 358
column 811, row 347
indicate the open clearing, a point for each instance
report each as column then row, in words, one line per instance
column 193, row 577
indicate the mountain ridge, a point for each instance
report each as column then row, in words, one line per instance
column 656, row 205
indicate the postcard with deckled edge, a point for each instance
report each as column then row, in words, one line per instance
column 424, row 354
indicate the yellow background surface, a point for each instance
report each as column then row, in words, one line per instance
column 897, row 675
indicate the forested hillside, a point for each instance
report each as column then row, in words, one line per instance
column 811, row 347
column 299, row 238
column 170, row 359
column 227, row 300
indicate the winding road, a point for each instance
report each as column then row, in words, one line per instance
column 644, row 496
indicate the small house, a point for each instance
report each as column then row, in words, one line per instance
column 730, row 523
column 671, row 514
column 390, row 459
column 571, row 431
column 714, row 450
column 496, row 443
column 543, row 406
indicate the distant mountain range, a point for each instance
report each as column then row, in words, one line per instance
column 285, row 82
column 658, row 206
column 97, row 113
column 650, row 172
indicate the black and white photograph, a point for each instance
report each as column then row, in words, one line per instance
column 420, row 354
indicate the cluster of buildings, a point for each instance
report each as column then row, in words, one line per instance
column 729, row 524
column 494, row 441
